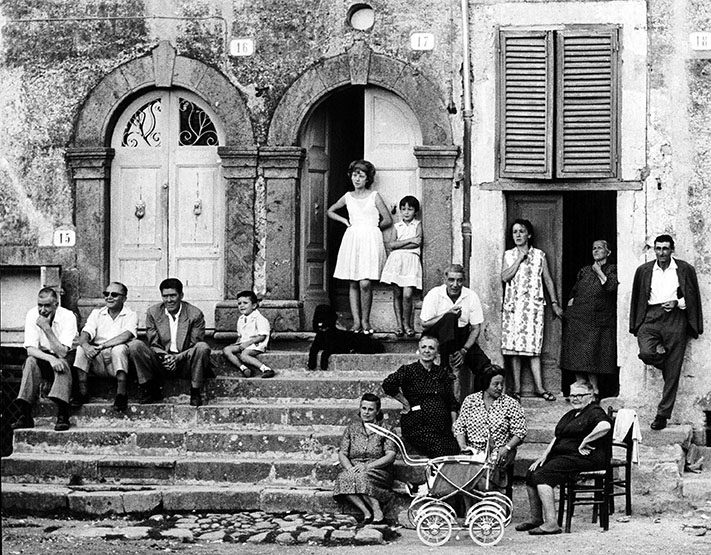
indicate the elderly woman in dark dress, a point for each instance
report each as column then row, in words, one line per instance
column 366, row 459
column 578, row 446
column 589, row 342
column 428, row 404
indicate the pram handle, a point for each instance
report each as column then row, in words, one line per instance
column 419, row 461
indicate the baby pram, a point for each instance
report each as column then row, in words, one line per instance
column 434, row 518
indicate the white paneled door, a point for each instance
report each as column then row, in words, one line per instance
column 167, row 200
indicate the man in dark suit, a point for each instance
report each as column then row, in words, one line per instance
column 175, row 330
column 665, row 311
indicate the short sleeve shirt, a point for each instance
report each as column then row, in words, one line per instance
column 64, row 327
column 251, row 325
column 100, row 326
column 437, row 302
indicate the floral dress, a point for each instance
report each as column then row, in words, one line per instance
column 363, row 447
column 524, row 304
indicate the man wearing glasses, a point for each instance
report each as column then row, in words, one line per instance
column 102, row 346
column 49, row 332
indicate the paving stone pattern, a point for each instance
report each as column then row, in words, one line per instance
column 255, row 527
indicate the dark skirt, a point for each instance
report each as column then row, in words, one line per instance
column 589, row 349
column 561, row 466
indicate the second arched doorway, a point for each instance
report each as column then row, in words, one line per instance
column 352, row 123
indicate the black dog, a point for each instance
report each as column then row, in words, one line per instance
column 330, row 339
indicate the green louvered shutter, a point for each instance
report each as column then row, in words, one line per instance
column 586, row 107
column 525, row 104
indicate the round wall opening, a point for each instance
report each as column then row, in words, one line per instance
column 361, row 17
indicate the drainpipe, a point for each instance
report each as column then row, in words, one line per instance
column 467, row 140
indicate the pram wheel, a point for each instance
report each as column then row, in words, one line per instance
column 499, row 503
column 486, row 527
column 434, row 526
column 417, row 504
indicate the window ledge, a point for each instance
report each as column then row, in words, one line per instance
column 562, row 185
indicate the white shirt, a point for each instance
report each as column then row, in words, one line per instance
column 251, row 325
column 665, row 284
column 100, row 326
column 173, row 322
column 437, row 302
column 64, row 327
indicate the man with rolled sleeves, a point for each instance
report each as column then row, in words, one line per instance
column 665, row 310
column 453, row 314
column 102, row 346
column 49, row 332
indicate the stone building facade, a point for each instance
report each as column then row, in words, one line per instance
column 167, row 148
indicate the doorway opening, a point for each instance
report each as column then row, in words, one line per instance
column 353, row 123
column 565, row 226
column 587, row 216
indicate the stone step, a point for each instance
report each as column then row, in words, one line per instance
column 217, row 497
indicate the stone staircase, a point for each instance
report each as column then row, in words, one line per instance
column 259, row 444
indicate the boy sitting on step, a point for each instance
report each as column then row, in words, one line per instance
column 253, row 330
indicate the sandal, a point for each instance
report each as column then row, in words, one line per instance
column 369, row 331
column 399, row 332
column 410, row 332
column 547, row 395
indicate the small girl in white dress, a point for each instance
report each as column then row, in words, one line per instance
column 362, row 252
column 403, row 267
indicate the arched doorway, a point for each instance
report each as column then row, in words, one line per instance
column 351, row 123
column 102, row 117
column 167, row 197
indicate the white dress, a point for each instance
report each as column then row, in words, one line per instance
column 362, row 252
column 403, row 266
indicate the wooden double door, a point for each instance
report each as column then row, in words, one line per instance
column 167, row 200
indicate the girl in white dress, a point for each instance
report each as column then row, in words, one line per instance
column 362, row 252
column 403, row 268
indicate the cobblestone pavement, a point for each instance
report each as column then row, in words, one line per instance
column 320, row 534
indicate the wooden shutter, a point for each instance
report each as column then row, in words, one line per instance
column 525, row 104
column 586, row 108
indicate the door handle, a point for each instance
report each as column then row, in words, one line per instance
column 317, row 207
column 140, row 209
column 165, row 185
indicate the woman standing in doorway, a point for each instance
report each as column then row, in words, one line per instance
column 589, row 342
column 524, row 273
column 362, row 252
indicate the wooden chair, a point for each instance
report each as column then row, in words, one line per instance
column 621, row 463
column 588, row 488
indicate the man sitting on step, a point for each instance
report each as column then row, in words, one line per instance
column 452, row 313
column 49, row 332
column 175, row 331
column 102, row 346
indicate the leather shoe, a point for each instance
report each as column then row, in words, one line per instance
column 195, row 397
column 659, row 423
column 23, row 422
column 62, row 423
column 121, row 402
column 79, row 400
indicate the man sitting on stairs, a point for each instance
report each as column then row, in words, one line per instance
column 49, row 332
column 102, row 346
column 175, row 331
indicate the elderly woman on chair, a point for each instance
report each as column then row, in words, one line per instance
column 578, row 446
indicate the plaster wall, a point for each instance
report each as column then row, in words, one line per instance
column 489, row 206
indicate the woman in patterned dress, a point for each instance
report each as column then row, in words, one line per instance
column 428, row 404
column 366, row 459
column 525, row 272
column 490, row 419
column 589, row 342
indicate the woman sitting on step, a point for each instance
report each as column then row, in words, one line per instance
column 366, row 459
